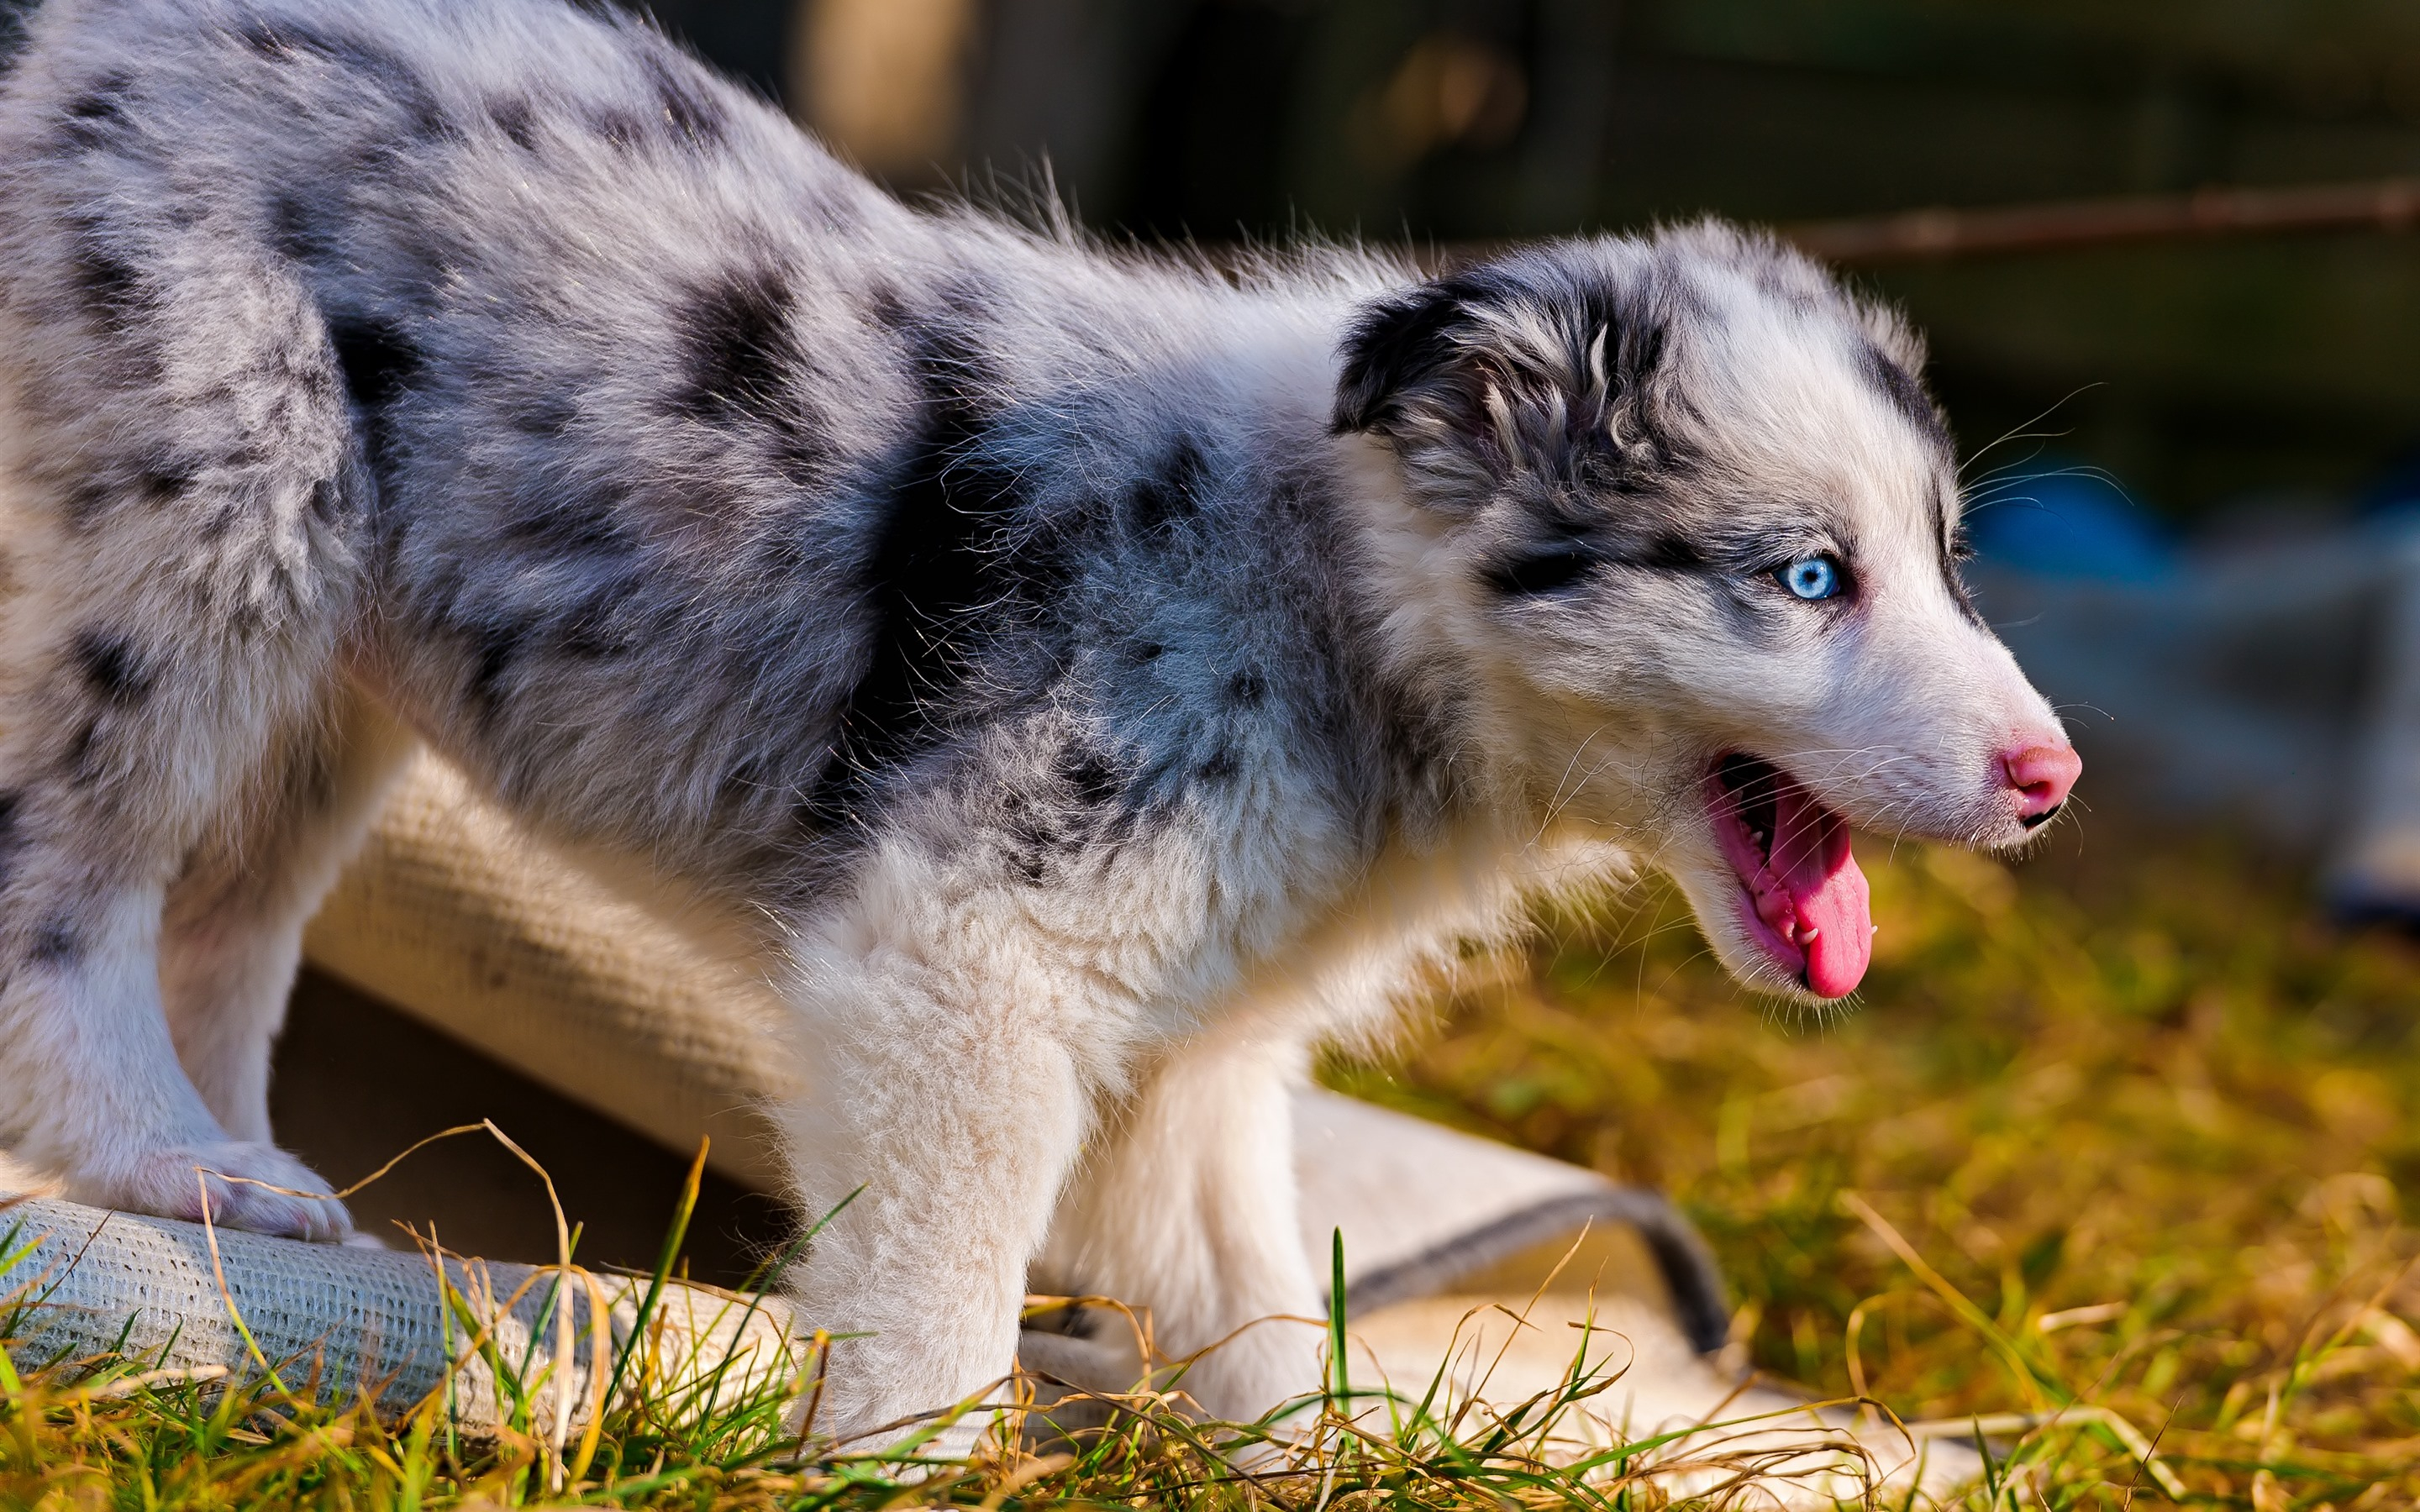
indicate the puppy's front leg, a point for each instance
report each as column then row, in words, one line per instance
column 1188, row 1209
column 943, row 1086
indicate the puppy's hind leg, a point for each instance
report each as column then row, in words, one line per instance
column 232, row 937
column 180, row 493
column 109, row 773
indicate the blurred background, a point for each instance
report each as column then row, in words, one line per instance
column 2206, row 373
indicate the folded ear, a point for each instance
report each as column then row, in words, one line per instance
column 1397, row 342
column 1484, row 374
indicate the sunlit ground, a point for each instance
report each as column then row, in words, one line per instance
column 2137, row 1103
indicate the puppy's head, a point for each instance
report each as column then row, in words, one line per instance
column 1676, row 520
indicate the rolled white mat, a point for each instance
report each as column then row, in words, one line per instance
column 80, row 1283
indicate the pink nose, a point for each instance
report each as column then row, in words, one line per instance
column 2040, row 774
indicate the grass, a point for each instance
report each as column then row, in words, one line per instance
column 2116, row 1148
column 2147, row 1123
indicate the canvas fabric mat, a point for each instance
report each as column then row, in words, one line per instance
column 453, row 913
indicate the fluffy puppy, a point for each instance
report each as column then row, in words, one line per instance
column 1081, row 681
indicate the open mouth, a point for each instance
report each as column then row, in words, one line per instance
column 1803, row 899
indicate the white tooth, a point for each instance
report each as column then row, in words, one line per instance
column 1807, row 932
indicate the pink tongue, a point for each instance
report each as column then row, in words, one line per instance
column 1817, row 882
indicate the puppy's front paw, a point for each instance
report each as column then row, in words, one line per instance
column 238, row 1179
column 955, row 1443
column 1276, row 1362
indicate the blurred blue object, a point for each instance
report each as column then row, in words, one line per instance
column 2066, row 520
column 2395, row 489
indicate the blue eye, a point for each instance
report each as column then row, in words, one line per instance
column 1812, row 577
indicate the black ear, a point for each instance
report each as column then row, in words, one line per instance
column 1394, row 344
column 1523, row 365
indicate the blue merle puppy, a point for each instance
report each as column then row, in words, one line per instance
column 1082, row 681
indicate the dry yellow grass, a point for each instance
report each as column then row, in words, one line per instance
column 2138, row 1104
